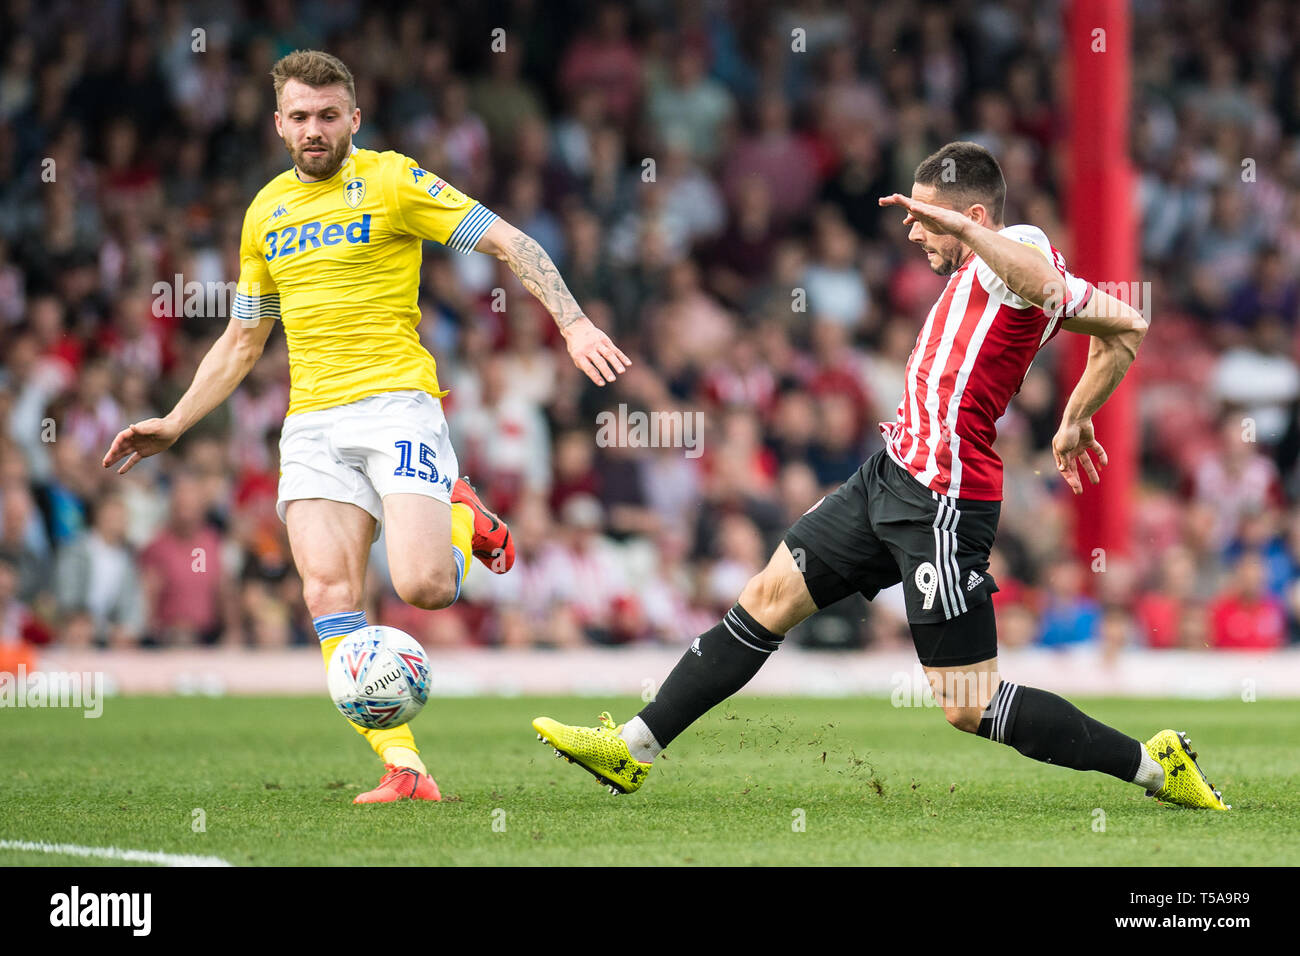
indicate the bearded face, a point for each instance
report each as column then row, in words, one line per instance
column 944, row 253
column 316, row 124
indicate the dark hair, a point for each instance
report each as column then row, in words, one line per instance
column 965, row 173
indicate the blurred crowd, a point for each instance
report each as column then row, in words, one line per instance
column 705, row 174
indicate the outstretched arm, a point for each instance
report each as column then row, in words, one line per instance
column 589, row 347
column 1023, row 268
column 231, row 358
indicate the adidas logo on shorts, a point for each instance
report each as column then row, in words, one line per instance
column 974, row 579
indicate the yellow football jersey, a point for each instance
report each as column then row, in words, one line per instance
column 338, row 261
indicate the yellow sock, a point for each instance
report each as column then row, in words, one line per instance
column 462, row 536
column 327, row 647
column 395, row 745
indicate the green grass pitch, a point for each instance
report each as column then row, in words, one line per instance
column 757, row 781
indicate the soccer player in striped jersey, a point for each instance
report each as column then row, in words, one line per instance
column 332, row 248
column 924, row 510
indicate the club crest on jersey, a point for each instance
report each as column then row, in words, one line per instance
column 354, row 190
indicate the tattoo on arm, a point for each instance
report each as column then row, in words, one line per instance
column 538, row 273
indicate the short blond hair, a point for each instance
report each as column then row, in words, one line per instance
column 315, row 68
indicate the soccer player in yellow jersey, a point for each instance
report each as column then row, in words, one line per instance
column 332, row 248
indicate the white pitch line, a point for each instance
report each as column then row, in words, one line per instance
column 113, row 853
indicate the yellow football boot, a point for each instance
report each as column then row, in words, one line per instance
column 1185, row 782
column 598, row 750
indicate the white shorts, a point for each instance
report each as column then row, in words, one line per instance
column 390, row 443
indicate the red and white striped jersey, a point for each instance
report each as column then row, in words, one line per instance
column 971, row 357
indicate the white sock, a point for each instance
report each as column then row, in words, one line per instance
column 640, row 742
column 1150, row 775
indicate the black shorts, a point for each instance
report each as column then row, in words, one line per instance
column 882, row 526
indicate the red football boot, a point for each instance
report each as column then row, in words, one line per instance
column 401, row 783
column 491, row 542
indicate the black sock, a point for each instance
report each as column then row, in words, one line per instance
column 1051, row 729
column 718, row 663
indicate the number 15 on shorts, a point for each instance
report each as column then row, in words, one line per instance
column 406, row 470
